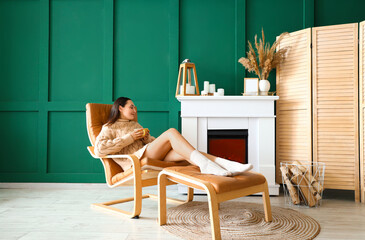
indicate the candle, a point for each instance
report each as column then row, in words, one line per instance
column 206, row 86
column 192, row 90
column 216, row 94
column 211, row 88
column 187, row 88
column 204, row 93
column 220, row 91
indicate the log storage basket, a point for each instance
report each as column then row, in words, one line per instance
column 303, row 183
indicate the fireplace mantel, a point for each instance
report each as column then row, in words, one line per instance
column 254, row 113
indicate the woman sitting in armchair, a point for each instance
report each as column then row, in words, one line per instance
column 122, row 135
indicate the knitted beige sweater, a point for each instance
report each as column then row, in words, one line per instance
column 117, row 139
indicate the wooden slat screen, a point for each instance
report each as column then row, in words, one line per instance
column 335, row 104
column 362, row 106
column 293, row 109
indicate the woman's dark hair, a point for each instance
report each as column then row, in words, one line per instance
column 114, row 112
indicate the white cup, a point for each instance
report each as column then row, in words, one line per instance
column 220, row 91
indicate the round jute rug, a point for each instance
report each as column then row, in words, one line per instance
column 240, row 220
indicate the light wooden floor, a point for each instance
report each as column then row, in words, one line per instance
column 64, row 213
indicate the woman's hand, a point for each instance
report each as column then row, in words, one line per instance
column 137, row 134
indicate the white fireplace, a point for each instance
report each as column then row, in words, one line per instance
column 253, row 113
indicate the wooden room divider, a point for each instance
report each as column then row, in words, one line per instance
column 362, row 107
column 335, row 105
column 326, row 88
column 293, row 110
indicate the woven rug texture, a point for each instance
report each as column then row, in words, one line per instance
column 240, row 220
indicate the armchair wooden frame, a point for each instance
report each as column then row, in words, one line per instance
column 138, row 176
column 139, row 179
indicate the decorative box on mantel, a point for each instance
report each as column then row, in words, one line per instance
column 254, row 114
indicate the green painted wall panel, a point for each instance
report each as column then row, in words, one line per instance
column 141, row 53
column 19, row 140
column 275, row 17
column 19, row 50
column 156, row 122
column 207, row 38
column 332, row 12
column 67, row 144
column 76, row 50
column 57, row 55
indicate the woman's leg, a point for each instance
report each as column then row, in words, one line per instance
column 172, row 140
column 234, row 167
column 173, row 156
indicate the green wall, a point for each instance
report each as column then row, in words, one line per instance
column 57, row 55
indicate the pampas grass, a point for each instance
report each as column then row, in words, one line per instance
column 265, row 58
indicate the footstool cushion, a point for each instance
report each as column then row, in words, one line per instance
column 220, row 184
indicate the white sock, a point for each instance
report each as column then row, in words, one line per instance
column 206, row 166
column 234, row 167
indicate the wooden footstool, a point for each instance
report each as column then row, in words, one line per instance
column 218, row 189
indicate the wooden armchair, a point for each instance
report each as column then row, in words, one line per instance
column 144, row 172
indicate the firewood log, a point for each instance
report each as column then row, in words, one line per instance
column 300, row 166
column 297, row 168
column 306, row 189
column 292, row 191
column 305, row 171
column 318, row 196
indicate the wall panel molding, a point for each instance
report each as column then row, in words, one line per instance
column 308, row 13
column 20, row 50
column 240, row 43
column 109, row 51
column 42, row 146
column 173, row 104
column 77, row 50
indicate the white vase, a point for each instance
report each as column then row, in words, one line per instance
column 264, row 86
